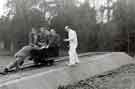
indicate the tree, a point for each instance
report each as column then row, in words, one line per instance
column 123, row 15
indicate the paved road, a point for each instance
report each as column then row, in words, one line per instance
column 34, row 70
column 4, row 60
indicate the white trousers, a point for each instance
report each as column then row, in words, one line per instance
column 73, row 57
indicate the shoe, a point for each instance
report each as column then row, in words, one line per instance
column 77, row 62
column 70, row 64
column 5, row 71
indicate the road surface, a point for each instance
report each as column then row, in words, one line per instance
column 28, row 71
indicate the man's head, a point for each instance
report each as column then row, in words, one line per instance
column 41, row 29
column 33, row 30
column 67, row 28
column 53, row 32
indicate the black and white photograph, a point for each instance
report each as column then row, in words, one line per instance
column 67, row 44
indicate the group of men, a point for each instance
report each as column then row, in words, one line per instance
column 45, row 43
column 45, row 39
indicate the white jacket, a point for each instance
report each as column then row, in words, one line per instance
column 72, row 36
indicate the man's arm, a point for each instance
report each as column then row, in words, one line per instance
column 71, row 37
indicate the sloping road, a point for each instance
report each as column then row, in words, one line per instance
column 28, row 71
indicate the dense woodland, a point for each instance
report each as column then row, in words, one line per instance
column 117, row 34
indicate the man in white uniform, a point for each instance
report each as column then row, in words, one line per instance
column 73, row 43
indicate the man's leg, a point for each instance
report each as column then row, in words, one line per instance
column 16, row 64
column 76, row 57
column 11, row 65
column 20, row 61
column 71, row 57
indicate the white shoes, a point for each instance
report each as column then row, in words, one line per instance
column 69, row 64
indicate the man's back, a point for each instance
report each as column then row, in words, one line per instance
column 25, row 51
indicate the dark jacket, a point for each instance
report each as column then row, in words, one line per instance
column 43, row 39
column 54, row 40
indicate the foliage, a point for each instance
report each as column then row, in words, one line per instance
column 115, row 35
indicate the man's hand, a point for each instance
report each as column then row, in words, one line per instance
column 47, row 46
column 66, row 40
